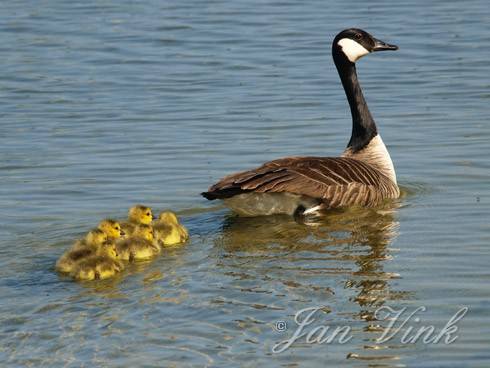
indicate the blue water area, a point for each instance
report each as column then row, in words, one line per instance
column 105, row 104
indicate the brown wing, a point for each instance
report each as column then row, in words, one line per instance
column 338, row 181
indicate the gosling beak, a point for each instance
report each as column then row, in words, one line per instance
column 383, row 46
column 122, row 233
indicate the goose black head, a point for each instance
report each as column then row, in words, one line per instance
column 354, row 43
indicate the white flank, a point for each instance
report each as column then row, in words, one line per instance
column 263, row 204
column 353, row 50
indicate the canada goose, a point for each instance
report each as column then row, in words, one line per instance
column 112, row 228
column 364, row 175
column 139, row 246
column 168, row 230
column 68, row 261
column 137, row 215
column 102, row 265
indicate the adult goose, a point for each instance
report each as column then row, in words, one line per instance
column 363, row 175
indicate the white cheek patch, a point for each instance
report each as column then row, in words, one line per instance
column 352, row 49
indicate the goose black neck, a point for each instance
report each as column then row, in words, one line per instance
column 363, row 125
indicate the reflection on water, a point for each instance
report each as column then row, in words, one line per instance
column 353, row 244
column 354, row 226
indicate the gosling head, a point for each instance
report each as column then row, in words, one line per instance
column 353, row 43
column 168, row 217
column 109, row 249
column 96, row 237
column 144, row 231
column 111, row 228
column 140, row 215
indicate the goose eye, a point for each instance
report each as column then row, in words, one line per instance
column 358, row 36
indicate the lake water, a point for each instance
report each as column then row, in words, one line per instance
column 105, row 104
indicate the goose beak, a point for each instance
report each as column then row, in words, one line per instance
column 383, row 46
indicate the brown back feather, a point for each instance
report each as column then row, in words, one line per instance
column 338, row 181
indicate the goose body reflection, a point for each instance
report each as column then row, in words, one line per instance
column 307, row 262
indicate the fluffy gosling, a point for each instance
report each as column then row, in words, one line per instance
column 137, row 215
column 102, row 265
column 94, row 239
column 139, row 246
column 68, row 261
column 168, row 230
column 112, row 228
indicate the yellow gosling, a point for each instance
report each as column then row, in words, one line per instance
column 139, row 246
column 137, row 215
column 93, row 239
column 102, row 265
column 168, row 230
column 96, row 237
column 112, row 228
column 68, row 261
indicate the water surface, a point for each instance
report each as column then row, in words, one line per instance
column 105, row 104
